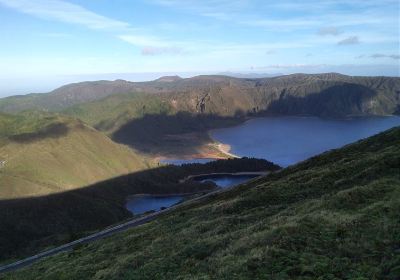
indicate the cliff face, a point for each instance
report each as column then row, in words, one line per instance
column 322, row 95
column 328, row 94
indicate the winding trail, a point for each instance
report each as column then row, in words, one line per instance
column 112, row 230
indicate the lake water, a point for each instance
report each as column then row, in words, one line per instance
column 141, row 204
column 225, row 181
column 288, row 140
column 282, row 140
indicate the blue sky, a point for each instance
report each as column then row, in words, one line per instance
column 48, row 42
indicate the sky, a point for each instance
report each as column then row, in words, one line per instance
column 47, row 43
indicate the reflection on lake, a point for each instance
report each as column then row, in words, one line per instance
column 141, row 204
column 288, row 140
column 225, row 181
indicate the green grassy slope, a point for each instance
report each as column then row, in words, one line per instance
column 334, row 216
column 119, row 108
column 171, row 118
column 112, row 112
column 225, row 96
column 46, row 153
column 63, row 217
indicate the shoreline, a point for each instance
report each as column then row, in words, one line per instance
column 165, row 195
column 222, row 147
column 259, row 173
column 212, row 150
column 244, row 173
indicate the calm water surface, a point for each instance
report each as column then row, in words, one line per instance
column 288, row 140
column 282, row 140
column 225, row 181
column 142, row 204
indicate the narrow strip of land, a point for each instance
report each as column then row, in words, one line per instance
column 255, row 173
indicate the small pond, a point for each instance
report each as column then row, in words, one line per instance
column 226, row 180
column 141, row 204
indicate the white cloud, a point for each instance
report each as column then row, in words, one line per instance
column 352, row 40
column 289, row 66
column 270, row 23
column 64, row 12
column 161, row 51
column 142, row 41
column 329, row 30
column 55, row 34
column 380, row 55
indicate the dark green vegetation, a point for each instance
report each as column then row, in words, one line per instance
column 29, row 225
column 334, row 216
column 161, row 117
column 171, row 117
column 222, row 95
column 173, row 135
column 43, row 153
column 64, row 96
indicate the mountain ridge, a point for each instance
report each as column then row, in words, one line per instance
column 265, row 89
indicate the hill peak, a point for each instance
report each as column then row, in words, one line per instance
column 168, row 79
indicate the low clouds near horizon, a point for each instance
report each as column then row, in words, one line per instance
column 330, row 30
column 352, row 40
column 380, row 55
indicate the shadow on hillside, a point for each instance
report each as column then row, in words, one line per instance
column 55, row 130
column 184, row 133
column 30, row 224
column 180, row 134
column 336, row 101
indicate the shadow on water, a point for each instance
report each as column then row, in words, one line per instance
column 182, row 133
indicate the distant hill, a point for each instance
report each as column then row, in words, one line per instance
column 249, row 75
column 328, row 94
column 334, row 216
column 64, row 96
column 170, row 116
column 168, row 79
column 47, row 153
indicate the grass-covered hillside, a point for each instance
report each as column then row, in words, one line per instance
column 328, row 95
column 59, row 218
column 170, row 118
column 184, row 109
column 110, row 113
column 334, row 216
column 43, row 153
